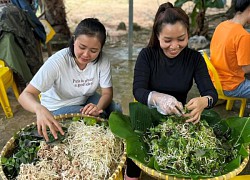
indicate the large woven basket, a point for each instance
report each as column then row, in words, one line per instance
column 117, row 175
column 159, row 175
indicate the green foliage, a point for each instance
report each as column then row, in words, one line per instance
column 59, row 139
column 224, row 141
column 142, row 117
column 198, row 13
column 184, row 147
column 120, row 125
column 25, row 151
column 240, row 130
column 201, row 4
column 76, row 118
column 90, row 121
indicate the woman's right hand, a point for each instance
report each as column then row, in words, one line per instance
column 45, row 119
column 29, row 100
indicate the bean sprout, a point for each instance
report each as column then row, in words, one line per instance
column 88, row 152
column 186, row 148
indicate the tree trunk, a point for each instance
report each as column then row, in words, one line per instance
column 55, row 14
column 201, row 25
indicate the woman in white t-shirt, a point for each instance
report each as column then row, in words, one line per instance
column 68, row 80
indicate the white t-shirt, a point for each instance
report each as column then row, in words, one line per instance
column 62, row 83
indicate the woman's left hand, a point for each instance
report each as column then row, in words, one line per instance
column 91, row 109
column 195, row 106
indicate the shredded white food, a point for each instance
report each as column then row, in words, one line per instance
column 88, row 153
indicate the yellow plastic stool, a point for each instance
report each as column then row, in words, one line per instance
column 2, row 64
column 6, row 81
column 230, row 100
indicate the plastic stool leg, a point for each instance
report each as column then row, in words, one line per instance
column 15, row 90
column 229, row 105
column 5, row 102
column 242, row 107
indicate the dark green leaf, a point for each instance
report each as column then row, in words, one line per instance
column 26, row 146
column 136, row 149
column 240, row 130
column 151, row 162
column 23, row 159
column 214, row 3
column 214, row 120
column 243, row 151
column 211, row 116
column 233, row 165
column 142, row 117
column 59, row 139
column 120, row 125
column 179, row 3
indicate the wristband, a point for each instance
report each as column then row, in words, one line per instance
column 209, row 102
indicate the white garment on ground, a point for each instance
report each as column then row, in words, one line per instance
column 62, row 83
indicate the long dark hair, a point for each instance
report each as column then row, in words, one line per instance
column 241, row 5
column 91, row 27
column 167, row 14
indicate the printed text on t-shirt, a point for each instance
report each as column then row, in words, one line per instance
column 82, row 82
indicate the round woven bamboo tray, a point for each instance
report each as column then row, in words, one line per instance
column 159, row 175
column 117, row 175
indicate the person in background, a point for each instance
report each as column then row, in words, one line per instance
column 229, row 52
column 165, row 70
column 68, row 80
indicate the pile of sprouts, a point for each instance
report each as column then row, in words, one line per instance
column 88, row 152
column 186, row 148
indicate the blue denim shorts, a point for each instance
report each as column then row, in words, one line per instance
column 92, row 99
column 243, row 90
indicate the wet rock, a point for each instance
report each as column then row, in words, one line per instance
column 136, row 27
column 198, row 42
column 121, row 26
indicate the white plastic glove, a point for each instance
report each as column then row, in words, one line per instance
column 165, row 104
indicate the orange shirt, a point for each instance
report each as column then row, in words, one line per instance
column 229, row 50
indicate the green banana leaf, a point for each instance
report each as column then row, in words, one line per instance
column 240, row 130
column 142, row 117
column 131, row 128
column 220, row 126
column 121, row 125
